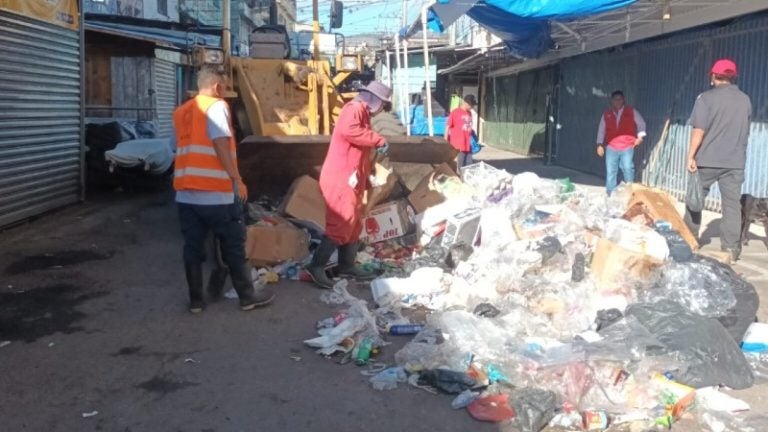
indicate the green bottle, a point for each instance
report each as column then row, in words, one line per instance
column 364, row 351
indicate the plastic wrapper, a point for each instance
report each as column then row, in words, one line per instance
column 719, row 421
column 696, row 287
column 464, row 399
column 492, row 408
column 359, row 321
column 447, row 381
column 388, row 379
column 534, row 408
column 710, row 288
column 710, row 356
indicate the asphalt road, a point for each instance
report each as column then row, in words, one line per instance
column 93, row 302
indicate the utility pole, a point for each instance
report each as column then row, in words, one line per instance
column 316, row 29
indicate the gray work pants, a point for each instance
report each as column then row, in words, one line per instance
column 729, row 181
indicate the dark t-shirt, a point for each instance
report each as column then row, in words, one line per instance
column 724, row 113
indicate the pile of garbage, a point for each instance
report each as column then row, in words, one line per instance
column 536, row 302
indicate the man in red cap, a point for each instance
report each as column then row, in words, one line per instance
column 718, row 150
column 344, row 179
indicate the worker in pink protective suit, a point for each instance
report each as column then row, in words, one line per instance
column 343, row 181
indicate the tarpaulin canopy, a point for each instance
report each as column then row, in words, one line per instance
column 523, row 25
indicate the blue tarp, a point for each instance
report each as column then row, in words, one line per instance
column 523, row 25
column 557, row 9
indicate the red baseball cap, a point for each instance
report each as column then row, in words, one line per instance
column 725, row 67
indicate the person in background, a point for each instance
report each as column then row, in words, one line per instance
column 210, row 191
column 621, row 129
column 343, row 181
column 458, row 130
column 718, row 150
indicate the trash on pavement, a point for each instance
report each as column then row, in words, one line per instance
column 90, row 414
column 494, row 408
column 541, row 303
column 388, row 379
column 305, row 202
column 275, row 240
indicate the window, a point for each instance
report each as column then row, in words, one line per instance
column 162, row 7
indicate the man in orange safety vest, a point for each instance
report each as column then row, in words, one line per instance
column 210, row 192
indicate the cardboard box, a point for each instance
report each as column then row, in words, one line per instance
column 275, row 242
column 660, row 206
column 304, row 201
column 386, row 177
column 426, row 195
column 613, row 264
column 387, row 221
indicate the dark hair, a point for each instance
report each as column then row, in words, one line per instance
column 617, row 93
column 727, row 78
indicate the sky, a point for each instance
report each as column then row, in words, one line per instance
column 363, row 16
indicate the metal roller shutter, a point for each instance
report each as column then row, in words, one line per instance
column 165, row 96
column 40, row 149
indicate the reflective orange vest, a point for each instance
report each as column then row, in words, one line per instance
column 197, row 166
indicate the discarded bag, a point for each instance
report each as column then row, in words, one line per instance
column 493, row 408
column 694, row 196
column 447, row 381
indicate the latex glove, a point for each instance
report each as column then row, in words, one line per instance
column 600, row 150
column 384, row 149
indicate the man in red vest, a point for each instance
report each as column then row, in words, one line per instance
column 621, row 129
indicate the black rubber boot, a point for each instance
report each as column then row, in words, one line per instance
column 347, row 266
column 316, row 268
column 218, row 278
column 250, row 297
column 194, row 274
column 217, row 282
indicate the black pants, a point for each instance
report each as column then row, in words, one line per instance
column 465, row 158
column 227, row 224
column 729, row 181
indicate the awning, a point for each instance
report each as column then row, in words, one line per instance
column 174, row 39
column 523, row 25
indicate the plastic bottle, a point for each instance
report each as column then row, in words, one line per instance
column 364, row 351
column 405, row 329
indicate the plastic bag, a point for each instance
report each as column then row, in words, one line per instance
column 447, row 381
column 389, row 378
column 474, row 144
column 694, row 196
column 534, row 408
column 696, row 287
column 494, row 408
column 710, row 357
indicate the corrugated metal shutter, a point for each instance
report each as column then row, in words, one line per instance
column 516, row 110
column 40, row 117
column 165, row 96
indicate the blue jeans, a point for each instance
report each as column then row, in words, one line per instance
column 615, row 159
column 465, row 158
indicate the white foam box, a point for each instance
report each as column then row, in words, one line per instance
column 462, row 227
